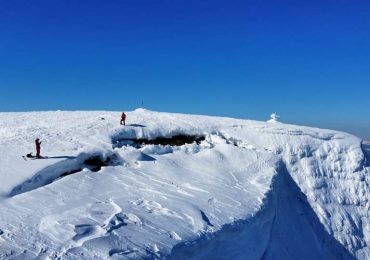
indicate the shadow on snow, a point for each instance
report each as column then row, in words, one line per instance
column 72, row 165
column 285, row 228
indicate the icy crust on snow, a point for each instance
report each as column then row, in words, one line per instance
column 281, row 185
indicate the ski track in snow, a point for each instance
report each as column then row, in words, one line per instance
column 250, row 189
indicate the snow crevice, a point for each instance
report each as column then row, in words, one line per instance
column 176, row 140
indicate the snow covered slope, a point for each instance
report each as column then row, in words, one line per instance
column 178, row 187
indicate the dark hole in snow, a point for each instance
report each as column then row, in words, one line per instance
column 205, row 218
column 176, row 140
column 95, row 163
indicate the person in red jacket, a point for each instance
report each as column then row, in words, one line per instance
column 123, row 119
column 38, row 147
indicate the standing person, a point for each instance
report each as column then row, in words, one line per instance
column 38, row 147
column 123, row 119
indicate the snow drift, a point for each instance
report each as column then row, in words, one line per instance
column 180, row 186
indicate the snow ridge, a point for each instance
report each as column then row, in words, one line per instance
column 244, row 189
column 285, row 227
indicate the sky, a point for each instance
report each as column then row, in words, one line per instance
column 308, row 61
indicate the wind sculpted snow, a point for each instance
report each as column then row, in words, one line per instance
column 243, row 189
column 285, row 228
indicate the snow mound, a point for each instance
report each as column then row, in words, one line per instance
column 180, row 186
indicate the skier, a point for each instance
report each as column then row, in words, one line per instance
column 123, row 119
column 38, row 147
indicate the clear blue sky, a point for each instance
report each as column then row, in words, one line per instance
column 309, row 61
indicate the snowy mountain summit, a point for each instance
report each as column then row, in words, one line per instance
column 173, row 186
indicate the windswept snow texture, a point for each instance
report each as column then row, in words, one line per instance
column 191, row 187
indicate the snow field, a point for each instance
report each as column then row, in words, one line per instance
column 300, row 192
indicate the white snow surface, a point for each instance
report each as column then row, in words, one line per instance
column 250, row 190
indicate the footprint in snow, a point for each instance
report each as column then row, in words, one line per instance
column 86, row 230
column 153, row 250
column 212, row 201
column 116, row 222
column 132, row 219
column 155, row 208
column 174, row 236
column 120, row 220
column 116, row 251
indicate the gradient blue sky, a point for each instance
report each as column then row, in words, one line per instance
column 307, row 60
